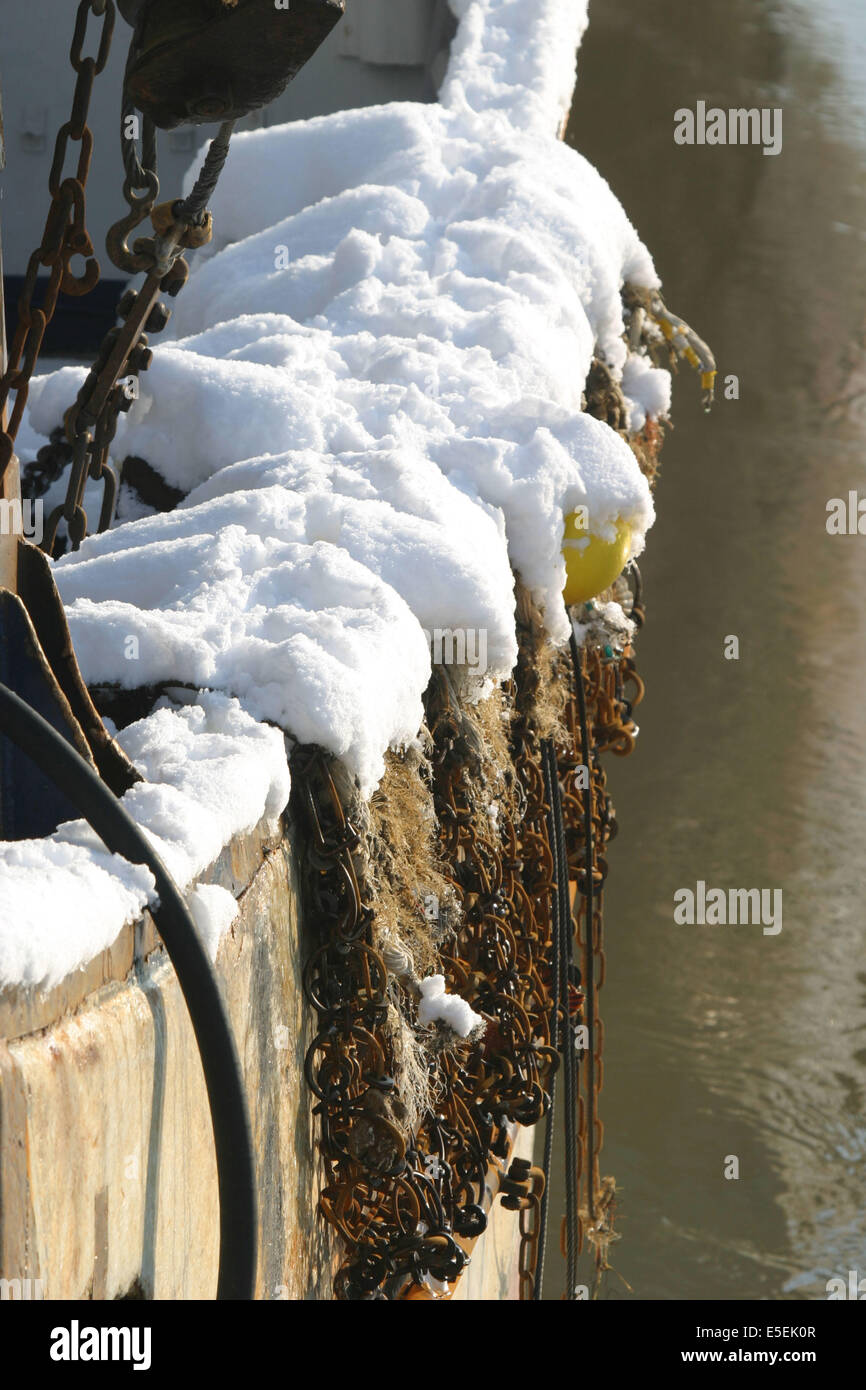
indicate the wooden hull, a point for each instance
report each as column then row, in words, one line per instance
column 107, row 1172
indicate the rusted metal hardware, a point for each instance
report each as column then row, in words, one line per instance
column 498, row 1171
column 645, row 305
column 522, row 1190
column 140, row 188
column 613, row 691
column 65, row 233
column 91, row 423
column 111, row 386
column 381, row 1195
column 403, row 1202
column 38, row 663
column 217, row 60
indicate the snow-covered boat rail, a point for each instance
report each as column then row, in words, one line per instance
column 372, row 403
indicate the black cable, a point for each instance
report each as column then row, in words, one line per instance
column 190, row 209
column 58, row 760
column 569, row 1069
column 544, row 1215
column 588, row 973
column 563, row 1035
column 547, row 1161
column 141, row 171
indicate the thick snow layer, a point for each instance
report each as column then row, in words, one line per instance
column 211, row 772
column 517, row 58
column 371, row 393
column 225, row 597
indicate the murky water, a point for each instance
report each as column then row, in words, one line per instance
column 750, row 773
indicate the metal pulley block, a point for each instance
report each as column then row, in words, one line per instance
column 194, row 61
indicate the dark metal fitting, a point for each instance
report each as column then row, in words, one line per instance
column 157, row 318
column 140, row 358
column 127, row 303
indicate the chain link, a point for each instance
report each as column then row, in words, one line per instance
column 91, row 422
column 398, row 1200
column 65, row 233
column 612, row 730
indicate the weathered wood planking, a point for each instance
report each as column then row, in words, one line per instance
column 107, row 1173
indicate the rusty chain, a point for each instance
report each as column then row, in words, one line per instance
column 65, row 233
column 522, row 1191
column 91, row 422
column 381, row 1196
column 612, row 690
column 111, row 386
column 405, row 1205
column 399, row 1205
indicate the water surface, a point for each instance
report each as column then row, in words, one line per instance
column 751, row 773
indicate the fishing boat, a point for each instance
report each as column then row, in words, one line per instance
column 308, row 686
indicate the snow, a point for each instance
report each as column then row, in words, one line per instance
column 438, row 1007
column 517, row 59
column 213, row 910
column 210, row 772
column 647, row 391
column 371, row 392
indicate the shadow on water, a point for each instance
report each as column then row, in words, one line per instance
column 722, row 1040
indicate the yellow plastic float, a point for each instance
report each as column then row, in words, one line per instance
column 591, row 564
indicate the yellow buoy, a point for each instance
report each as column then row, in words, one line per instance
column 591, row 564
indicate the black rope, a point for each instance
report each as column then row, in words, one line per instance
column 572, row 1140
column 236, row 1174
column 563, row 961
column 588, row 891
column 190, row 210
column 570, row 1078
column 141, row 171
column 547, row 1161
column 543, row 1215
